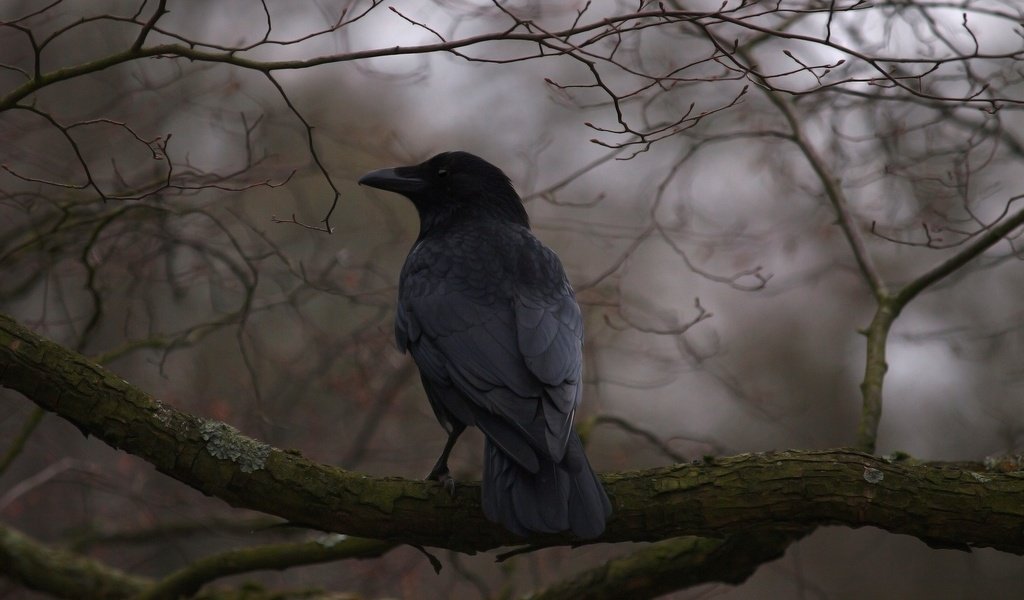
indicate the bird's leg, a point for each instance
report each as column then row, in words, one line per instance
column 440, row 471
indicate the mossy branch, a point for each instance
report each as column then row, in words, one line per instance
column 951, row 506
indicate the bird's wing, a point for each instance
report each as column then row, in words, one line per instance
column 512, row 348
column 549, row 330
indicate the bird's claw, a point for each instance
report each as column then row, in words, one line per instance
column 445, row 479
column 449, row 484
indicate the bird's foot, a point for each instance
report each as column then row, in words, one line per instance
column 444, row 478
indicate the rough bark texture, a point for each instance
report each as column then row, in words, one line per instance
column 953, row 506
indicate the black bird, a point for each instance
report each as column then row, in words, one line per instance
column 489, row 317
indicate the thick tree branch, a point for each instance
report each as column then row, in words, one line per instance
column 187, row 581
column 674, row 564
column 61, row 573
column 950, row 506
column 64, row 574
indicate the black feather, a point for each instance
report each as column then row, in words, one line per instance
column 489, row 317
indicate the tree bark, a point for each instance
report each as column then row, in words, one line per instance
column 946, row 505
column 675, row 564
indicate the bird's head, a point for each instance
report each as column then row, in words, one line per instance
column 452, row 186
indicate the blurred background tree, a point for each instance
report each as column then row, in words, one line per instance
column 762, row 207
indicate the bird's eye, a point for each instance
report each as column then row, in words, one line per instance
column 442, row 172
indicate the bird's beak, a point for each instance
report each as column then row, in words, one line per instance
column 402, row 180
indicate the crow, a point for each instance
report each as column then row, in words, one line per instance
column 491, row 321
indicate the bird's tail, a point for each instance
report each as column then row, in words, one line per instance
column 559, row 496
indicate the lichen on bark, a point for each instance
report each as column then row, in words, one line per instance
column 227, row 443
